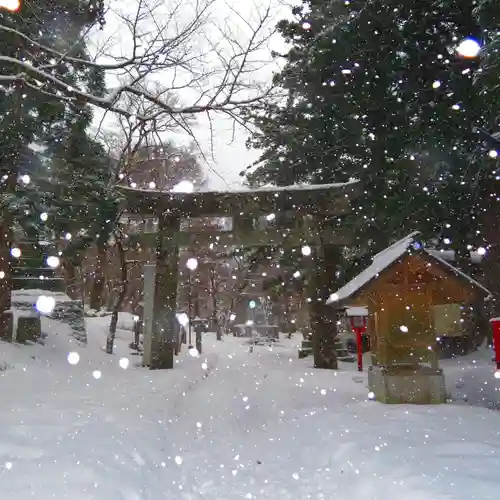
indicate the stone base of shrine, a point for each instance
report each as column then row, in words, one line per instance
column 401, row 385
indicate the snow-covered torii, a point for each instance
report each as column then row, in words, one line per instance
column 310, row 206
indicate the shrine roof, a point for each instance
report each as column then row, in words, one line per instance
column 386, row 258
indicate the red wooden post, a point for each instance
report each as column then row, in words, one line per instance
column 495, row 325
column 358, row 325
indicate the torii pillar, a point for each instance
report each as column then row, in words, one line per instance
column 165, row 326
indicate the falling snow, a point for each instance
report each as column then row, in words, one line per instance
column 73, row 358
column 124, row 363
column 379, row 140
column 45, row 304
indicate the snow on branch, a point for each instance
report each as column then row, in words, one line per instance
column 185, row 47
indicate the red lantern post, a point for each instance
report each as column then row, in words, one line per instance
column 358, row 325
column 495, row 326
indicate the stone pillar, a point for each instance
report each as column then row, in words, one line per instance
column 149, row 272
column 165, row 294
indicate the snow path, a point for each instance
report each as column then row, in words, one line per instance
column 259, row 425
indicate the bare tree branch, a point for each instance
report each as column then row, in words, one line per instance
column 179, row 43
column 140, row 149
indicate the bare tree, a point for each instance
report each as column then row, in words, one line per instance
column 240, row 278
column 122, row 147
column 214, row 289
column 183, row 44
column 109, row 230
column 125, row 147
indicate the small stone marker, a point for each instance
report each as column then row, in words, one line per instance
column 29, row 328
column 7, row 329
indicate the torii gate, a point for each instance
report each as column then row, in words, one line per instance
column 313, row 209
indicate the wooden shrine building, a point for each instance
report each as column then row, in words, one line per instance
column 407, row 291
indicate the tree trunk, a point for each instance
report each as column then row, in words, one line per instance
column 323, row 317
column 99, row 281
column 110, row 341
column 215, row 319
column 196, row 302
column 6, row 241
column 213, row 292
column 8, row 170
column 73, row 285
column 5, row 278
column 287, row 323
column 324, row 335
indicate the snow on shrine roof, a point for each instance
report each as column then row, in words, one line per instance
column 449, row 255
column 384, row 259
column 380, row 262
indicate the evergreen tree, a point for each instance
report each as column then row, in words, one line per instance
column 377, row 93
column 488, row 15
column 27, row 113
column 83, row 204
column 80, row 175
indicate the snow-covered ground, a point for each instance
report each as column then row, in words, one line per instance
column 233, row 424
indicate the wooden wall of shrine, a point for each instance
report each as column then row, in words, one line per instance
column 402, row 301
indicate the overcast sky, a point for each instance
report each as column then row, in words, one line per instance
column 230, row 155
